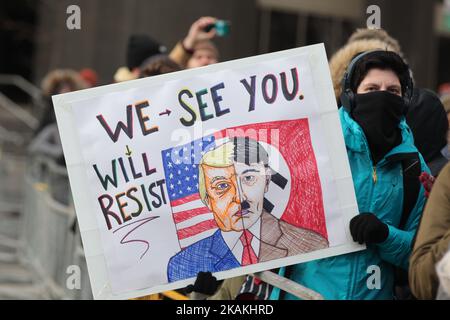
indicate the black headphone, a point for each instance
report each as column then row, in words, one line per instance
column 348, row 96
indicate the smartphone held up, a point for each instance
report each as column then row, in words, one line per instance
column 222, row 27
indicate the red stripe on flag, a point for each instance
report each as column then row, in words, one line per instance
column 187, row 214
column 220, row 134
column 184, row 200
column 196, row 228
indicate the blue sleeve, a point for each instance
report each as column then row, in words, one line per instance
column 397, row 248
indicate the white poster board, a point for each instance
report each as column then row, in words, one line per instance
column 233, row 168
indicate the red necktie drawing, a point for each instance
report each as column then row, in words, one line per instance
column 248, row 254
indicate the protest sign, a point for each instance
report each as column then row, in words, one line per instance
column 233, row 168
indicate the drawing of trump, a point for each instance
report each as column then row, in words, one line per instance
column 233, row 180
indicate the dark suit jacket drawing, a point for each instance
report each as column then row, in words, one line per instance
column 279, row 239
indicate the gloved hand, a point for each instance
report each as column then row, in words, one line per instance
column 367, row 228
column 205, row 283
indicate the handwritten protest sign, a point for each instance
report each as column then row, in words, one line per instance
column 233, row 168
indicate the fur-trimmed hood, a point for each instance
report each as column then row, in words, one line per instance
column 53, row 80
column 342, row 58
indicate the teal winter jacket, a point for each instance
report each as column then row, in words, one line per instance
column 379, row 190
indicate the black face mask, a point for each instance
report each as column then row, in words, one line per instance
column 379, row 114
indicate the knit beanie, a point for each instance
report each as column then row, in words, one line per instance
column 141, row 47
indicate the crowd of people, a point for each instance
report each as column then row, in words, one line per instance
column 397, row 141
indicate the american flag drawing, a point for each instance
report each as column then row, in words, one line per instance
column 192, row 218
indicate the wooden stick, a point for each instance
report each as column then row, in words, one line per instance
column 288, row 285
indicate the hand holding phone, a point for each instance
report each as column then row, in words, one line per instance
column 200, row 30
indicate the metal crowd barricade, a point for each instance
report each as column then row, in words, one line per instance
column 11, row 192
column 51, row 242
column 12, row 165
column 16, row 126
column 17, row 122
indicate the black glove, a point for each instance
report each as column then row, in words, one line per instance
column 205, row 283
column 367, row 228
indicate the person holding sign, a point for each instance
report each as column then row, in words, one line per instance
column 233, row 179
column 377, row 88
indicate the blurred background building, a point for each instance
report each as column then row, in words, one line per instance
column 34, row 39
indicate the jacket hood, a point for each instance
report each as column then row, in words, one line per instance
column 428, row 122
column 53, row 80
